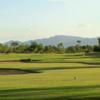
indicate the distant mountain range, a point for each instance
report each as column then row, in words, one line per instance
column 66, row 40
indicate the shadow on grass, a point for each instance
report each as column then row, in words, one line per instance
column 66, row 68
column 91, row 63
column 71, row 98
column 51, row 93
column 95, row 55
column 14, row 71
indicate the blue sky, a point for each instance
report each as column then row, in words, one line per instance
column 32, row 19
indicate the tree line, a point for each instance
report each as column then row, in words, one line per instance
column 35, row 47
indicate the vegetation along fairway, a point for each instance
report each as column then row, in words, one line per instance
column 49, row 77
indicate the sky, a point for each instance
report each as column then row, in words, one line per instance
column 32, row 19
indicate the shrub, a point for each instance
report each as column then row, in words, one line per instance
column 26, row 60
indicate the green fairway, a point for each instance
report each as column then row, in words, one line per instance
column 58, row 77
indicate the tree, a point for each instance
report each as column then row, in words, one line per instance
column 87, row 49
column 99, row 41
column 2, row 48
column 21, row 48
column 78, row 46
column 14, row 44
column 32, row 47
column 96, row 48
column 49, row 49
column 70, row 49
column 61, row 47
column 40, row 48
column 79, row 42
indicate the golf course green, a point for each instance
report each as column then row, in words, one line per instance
column 50, row 76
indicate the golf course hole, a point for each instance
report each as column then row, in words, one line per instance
column 8, row 71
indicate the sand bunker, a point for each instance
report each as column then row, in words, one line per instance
column 6, row 71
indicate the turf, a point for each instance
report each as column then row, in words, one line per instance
column 60, row 77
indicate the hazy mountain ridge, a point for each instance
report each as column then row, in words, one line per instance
column 66, row 40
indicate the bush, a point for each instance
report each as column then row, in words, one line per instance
column 96, row 49
column 25, row 60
